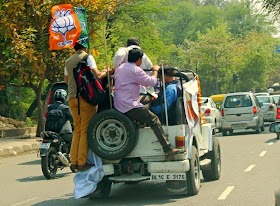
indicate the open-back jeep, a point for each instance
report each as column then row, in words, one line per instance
column 132, row 154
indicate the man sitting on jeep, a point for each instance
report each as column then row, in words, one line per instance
column 171, row 83
column 128, row 79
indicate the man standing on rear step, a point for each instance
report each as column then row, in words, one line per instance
column 128, row 79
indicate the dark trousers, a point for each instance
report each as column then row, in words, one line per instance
column 147, row 117
column 146, row 100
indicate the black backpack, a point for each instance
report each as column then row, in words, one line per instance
column 55, row 119
column 88, row 87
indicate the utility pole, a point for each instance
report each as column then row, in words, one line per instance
column 235, row 78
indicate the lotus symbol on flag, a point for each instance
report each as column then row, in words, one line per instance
column 63, row 23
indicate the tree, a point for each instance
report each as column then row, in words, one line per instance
column 25, row 59
column 243, row 19
column 253, row 56
column 213, row 50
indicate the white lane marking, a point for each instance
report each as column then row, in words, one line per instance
column 25, row 201
column 270, row 143
column 249, row 168
column 262, row 153
column 225, row 194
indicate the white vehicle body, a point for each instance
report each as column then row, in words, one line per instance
column 262, row 94
column 269, row 108
column 147, row 160
column 212, row 114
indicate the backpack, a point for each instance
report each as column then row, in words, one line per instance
column 88, row 87
column 55, row 119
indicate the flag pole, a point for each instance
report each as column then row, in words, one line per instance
column 106, row 59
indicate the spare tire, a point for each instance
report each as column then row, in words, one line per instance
column 112, row 135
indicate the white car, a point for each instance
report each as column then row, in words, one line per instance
column 212, row 114
column 269, row 108
column 262, row 94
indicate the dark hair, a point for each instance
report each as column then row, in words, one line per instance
column 133, row 41
column 169, row 71
column 134, row 54
column 78, row 46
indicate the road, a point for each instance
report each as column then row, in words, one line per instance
column 250, row 174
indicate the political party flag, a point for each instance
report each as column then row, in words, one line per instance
column 67, row 27
column 82, row 16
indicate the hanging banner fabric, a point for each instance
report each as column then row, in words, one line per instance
column 68, row 26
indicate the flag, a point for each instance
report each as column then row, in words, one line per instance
column 82, row 16
column 68, row 26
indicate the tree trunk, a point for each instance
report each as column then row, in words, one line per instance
column 41, row 121
column 216, row 75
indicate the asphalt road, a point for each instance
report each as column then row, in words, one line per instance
column 250, row 174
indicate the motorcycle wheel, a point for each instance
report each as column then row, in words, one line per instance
column 48, row 163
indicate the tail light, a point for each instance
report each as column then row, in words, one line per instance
column 207, row 112
column 278, row 113
column 180, row 142
column 50, row 97
column 223, row 113
column 255, row 110
column 270, row 108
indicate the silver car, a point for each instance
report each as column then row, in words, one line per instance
column 241, row 111
column 269, row 108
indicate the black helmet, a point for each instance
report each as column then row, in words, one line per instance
column 60, row 95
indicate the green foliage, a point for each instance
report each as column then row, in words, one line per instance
column 30, row 122
column 219, row 36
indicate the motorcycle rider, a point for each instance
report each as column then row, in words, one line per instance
column 59, row 116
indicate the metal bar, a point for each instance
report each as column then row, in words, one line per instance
column 164, row 95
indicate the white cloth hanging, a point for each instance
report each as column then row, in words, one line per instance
column 86, row 181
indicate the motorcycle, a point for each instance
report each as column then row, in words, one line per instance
column 54, row 152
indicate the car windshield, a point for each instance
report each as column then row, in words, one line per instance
column 238, row 101
column 263, row 99
column 203, row 101
column 276, row 98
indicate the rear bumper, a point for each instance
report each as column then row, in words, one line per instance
column 168, row 167
column 210, row 120
column 270, row 116
column 250, row 124
column 151, row 167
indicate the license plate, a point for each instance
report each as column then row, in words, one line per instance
column 168, row 176
column 239, row 126
column 44, row 145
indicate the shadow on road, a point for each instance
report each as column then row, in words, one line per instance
column 42, row 178
column 273, row 140
column 35, row 162
column 125, row 194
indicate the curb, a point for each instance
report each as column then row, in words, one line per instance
column 17, row 132
column 11, row 151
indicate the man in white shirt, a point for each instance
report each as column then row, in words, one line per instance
column 121, row 56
